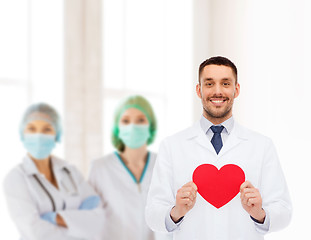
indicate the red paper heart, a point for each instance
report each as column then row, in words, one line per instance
column 218, row 187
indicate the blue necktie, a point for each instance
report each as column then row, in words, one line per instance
column 216, row 139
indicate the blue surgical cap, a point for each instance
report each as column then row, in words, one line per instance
column 41, row 111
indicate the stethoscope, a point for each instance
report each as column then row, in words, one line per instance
column 74, row 192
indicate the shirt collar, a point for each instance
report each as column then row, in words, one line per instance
column 206, row 124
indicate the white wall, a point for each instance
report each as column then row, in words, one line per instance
column 269, row 42
column 201, row 47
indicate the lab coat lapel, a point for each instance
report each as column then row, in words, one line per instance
column 64, row 176
column 235, row 138
column 58, row 167
column 29, row 166
column 201, row 138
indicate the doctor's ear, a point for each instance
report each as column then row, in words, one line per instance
column 198, row 90
column 237, row 90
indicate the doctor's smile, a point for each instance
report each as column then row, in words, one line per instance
column 218, row 102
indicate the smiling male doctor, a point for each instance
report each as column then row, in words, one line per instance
column 174, row 202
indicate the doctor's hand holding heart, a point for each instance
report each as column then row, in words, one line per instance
column 185, row 200
column 238, row 190
column 252, row 201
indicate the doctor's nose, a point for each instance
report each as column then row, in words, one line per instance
column 218, row 90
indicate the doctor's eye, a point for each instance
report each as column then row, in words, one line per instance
column 125, row 121
column 141, row 120
column 208, row 84
column 47, row 129
column 30, row 128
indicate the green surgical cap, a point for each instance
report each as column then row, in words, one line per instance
column 141, row 104
column 41, row 111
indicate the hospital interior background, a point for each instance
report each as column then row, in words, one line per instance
column 83, row 56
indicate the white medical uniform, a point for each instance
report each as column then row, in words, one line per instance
column 123, row 197
column 178, row 157
column 29, row 195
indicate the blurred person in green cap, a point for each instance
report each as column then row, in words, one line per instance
column 48, row 198
column 122, row 178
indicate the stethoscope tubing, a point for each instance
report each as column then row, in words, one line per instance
column 49, row 194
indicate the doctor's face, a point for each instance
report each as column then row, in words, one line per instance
column 134, row 129
column 217, row 90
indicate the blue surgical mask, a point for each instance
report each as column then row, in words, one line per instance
column 134, row 135
column 39, row 145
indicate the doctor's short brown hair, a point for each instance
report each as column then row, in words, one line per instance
column 220, row 61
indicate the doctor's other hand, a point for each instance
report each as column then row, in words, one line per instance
column 252, row 202
column 185, row 200
column 90, row 203
column 54, row 218
column 49, row 217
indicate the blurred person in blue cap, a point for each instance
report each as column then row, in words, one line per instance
column 122, row 178
column 48, row 198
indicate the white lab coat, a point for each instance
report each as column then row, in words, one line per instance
column 124, row 199
column 179, row 156
column 27, row 200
